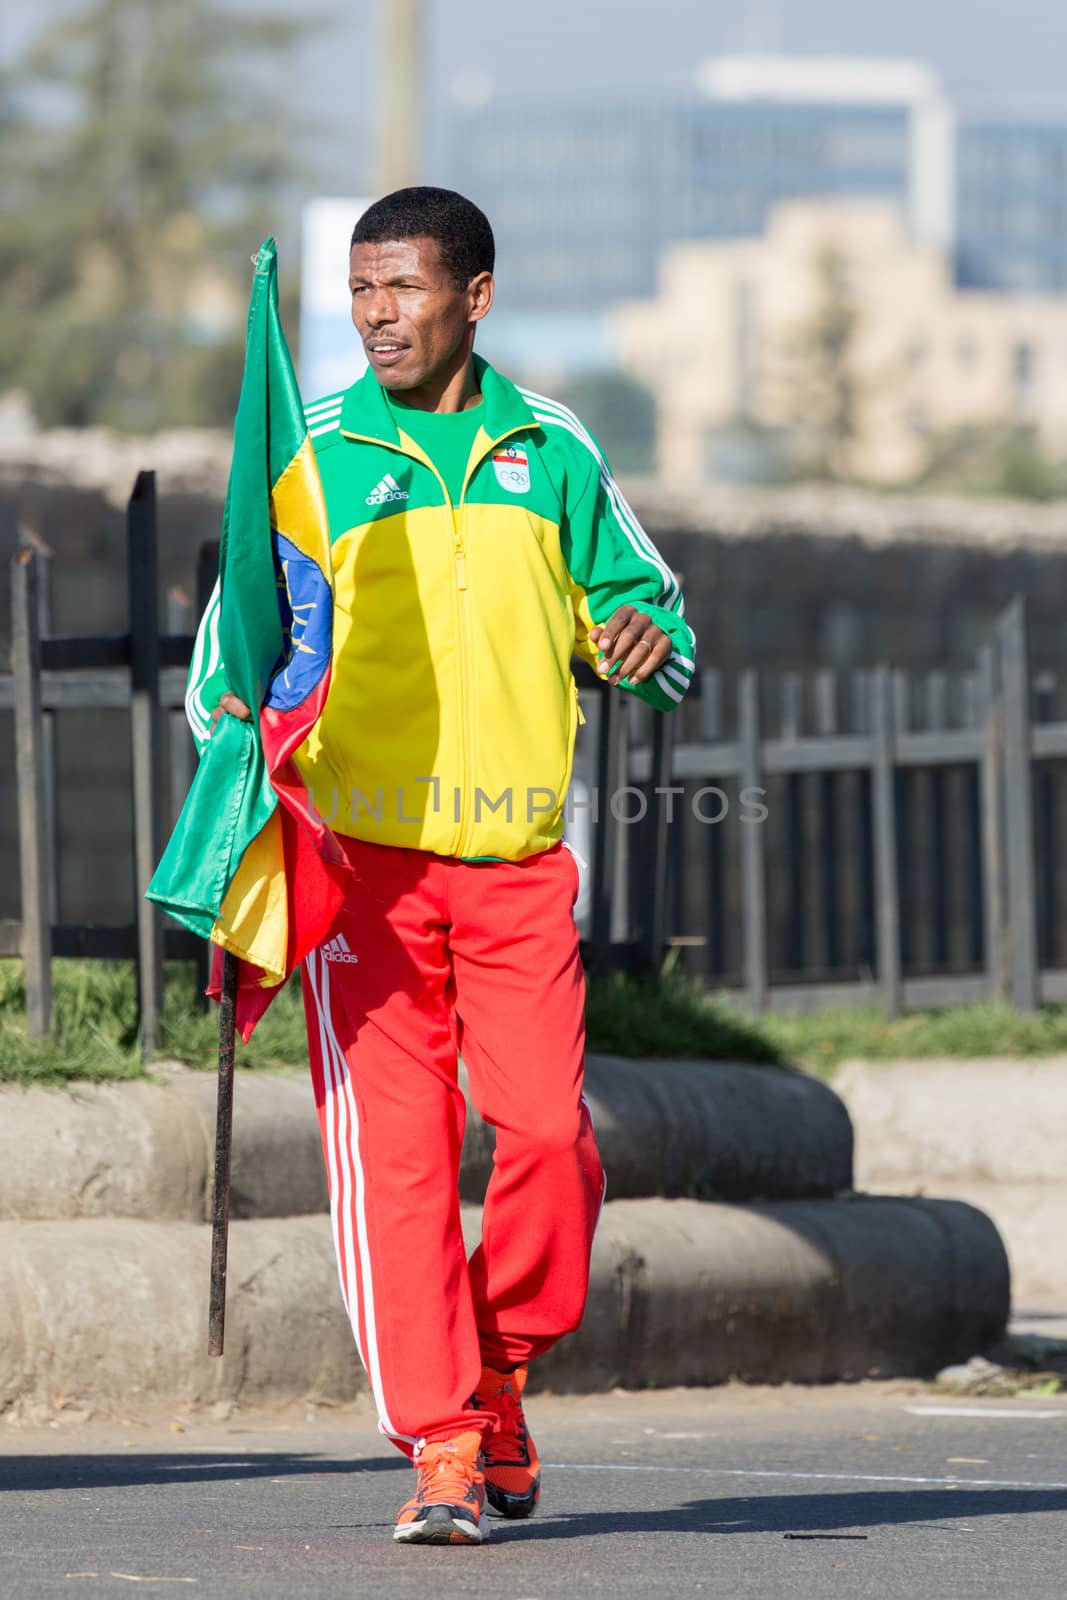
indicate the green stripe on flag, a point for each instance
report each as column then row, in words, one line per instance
column 231, row 798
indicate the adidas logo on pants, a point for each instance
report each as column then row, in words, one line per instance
column 338, row 950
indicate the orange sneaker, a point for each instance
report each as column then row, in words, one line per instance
column 448, row 1506
column 512, row 1468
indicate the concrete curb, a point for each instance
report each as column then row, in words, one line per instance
column 706, row 1129
column 988, row 1132
column 111, row 1313
column 665, row 1127
column 799, row 1291
column 999, row 1121
column 114, row 1149
column 1031, row 1219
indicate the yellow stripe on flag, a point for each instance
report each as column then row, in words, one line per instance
column 298, row 509
column 253, row 920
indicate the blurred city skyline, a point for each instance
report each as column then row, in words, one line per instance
column 600, row 146
column 603, row 45
column 598, row 48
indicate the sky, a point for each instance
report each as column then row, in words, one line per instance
column 1000, row 56
column 997, row 57
column 582, row 45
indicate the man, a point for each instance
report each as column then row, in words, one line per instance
column 479, row 539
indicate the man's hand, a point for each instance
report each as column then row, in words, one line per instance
column 631, row 646
column 232, row 707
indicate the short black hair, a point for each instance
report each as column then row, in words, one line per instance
column 461, row 230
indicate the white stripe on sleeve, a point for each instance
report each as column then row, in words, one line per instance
column 207, row 655
column 552, row 411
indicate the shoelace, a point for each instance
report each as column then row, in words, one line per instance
column 511, row 1428
column 447, row 1475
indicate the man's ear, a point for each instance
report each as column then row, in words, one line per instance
column 480, row 293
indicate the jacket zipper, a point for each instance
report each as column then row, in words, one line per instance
column 466, row 653
column 459, row 552
column 459, row 556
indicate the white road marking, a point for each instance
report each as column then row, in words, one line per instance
column 807, row 1477
column 979, row 1411
column 131, row 1577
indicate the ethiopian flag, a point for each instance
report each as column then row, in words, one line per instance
column 250, row 865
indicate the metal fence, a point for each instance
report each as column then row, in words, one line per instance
column 144, row 670
column 908, row 851
column 900, row 839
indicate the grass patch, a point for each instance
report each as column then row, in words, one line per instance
column 191, row 1035
column 95, row 1027
column 95, row 1024
column 821, row 1041
column 94, row 1011
column 669, row 1016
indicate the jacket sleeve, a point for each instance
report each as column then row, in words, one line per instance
column 207, row 678
column 613, row 562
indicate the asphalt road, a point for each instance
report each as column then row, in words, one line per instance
column 878, row 1492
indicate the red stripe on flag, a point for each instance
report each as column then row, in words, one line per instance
column 317, row 871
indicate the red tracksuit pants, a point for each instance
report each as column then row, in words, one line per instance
column 430, row 957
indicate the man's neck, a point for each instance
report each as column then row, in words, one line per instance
column 455, row 391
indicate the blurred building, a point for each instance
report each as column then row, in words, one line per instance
column 835, row 319
column 331, row 354
column 584, row 196
column 1011, row 204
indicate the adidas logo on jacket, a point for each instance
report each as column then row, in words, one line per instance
column 388, row 489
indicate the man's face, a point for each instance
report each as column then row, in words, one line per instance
column 409, row 314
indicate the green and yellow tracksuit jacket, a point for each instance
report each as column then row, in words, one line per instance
column 451, row 715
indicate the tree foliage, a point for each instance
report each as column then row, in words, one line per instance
column 818, row 383
column 621, row 413
column 994, row 459
column 142, row 152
